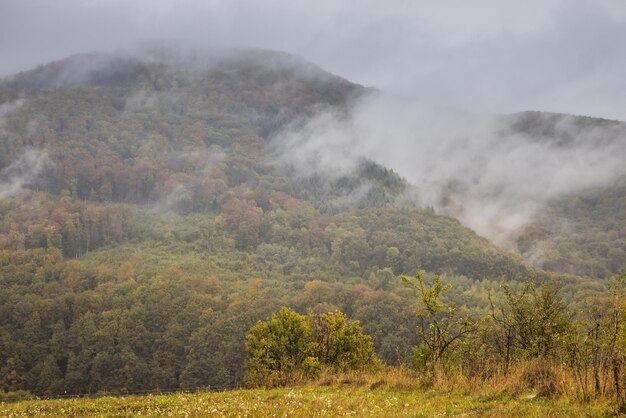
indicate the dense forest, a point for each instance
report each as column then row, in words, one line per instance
column 145, row 227
column 583, row 234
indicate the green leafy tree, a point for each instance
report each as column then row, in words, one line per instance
column 617, row 338
column 291, row 347
column 341, row 343
column 540, row 319
column 598, row 351
column 440, row 327
column 278, row 348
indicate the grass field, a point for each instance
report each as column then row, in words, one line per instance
column 309, row 401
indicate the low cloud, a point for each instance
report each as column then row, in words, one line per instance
column 492, row 172
column 486, row 55
column 22, row 171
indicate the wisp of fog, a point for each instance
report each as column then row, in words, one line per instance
column 22, row 171
column 475, row 167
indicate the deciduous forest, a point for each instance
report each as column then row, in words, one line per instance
column 151, row 239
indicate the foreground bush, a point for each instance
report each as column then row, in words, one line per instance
column 290, row 347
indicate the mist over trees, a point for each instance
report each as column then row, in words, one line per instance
column 151, row 214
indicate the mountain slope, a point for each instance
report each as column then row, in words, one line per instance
column 582, row 232
column 144, row 226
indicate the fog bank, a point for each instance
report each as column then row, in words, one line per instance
column 482, row 169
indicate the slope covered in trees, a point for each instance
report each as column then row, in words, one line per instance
column 582, row 233
column 144, row 228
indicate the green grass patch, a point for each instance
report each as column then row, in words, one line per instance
column 308, row 401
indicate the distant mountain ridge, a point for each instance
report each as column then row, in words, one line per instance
column 561, row 128
column 124, row 69
column 89, row 69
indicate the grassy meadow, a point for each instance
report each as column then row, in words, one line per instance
column 347, row 396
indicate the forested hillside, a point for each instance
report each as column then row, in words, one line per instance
column 581, row 233
column 144, row 226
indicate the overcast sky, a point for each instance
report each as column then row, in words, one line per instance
column 485, row 55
